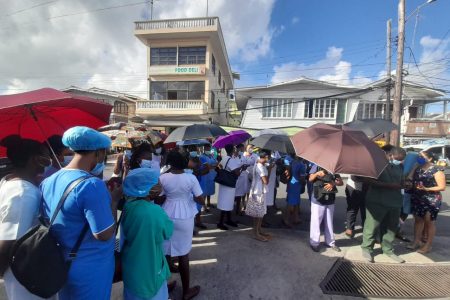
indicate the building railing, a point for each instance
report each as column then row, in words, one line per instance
column 171, row 104
column 176, row 23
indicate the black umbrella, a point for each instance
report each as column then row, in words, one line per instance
column 372, row 127
column 195, row 131
column 274, row 142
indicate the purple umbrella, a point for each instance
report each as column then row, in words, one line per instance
column 233, row 138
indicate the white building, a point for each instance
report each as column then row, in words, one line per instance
column 304, row 102
column 124, row 105
column 189, row 73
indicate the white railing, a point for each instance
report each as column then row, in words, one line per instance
column 176, row 23
column 171, row 104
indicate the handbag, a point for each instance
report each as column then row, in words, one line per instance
column 37, row 258
column 117, row 258
column 225, row 177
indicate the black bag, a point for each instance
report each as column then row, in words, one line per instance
column 322, row 196
column 37, row 260
column 225, row 177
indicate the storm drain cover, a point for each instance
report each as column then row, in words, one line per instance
column 401, row 281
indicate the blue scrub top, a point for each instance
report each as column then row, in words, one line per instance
column 409, row 162
column 91, row 271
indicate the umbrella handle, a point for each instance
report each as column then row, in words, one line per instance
column 30, row 108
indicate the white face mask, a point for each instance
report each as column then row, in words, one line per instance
column 250, row 150
column 158, row 150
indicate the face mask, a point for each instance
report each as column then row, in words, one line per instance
column 145, row 163
column 240, row 153
column 67, row 160
column 207, row 152
column 421, row 160
column 98, row 169
column 158, row 150
column 250, row 151
column 193, row 153
column 396, row 162
column 188, row 171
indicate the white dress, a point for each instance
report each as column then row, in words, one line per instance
column 181, row 209
column 225, row 199
column 19, row 209
column 243, row 184
column 256, row 206
column 270, row 196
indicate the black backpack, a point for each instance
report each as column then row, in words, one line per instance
column 37, row 260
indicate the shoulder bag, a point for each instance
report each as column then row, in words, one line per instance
column 225, row 177
column 37, row 258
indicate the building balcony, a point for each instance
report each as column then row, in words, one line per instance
column 171, row 107
column 177, row 24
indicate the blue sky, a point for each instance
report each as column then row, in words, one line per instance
column 306, row 29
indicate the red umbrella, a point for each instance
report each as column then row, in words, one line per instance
column 340, row 149
column 45, row 112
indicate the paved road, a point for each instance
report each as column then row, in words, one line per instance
column 232, row 265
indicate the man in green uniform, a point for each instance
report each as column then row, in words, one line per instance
column 383, row 203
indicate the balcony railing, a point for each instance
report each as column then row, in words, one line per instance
column 176, row 23
column 171, row 104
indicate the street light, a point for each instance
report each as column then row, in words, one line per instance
column 417, row 10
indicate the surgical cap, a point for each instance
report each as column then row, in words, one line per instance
column 84, row 138
column 139, row 182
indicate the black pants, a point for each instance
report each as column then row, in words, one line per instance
column 355, row 202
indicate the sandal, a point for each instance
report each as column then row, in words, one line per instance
column 413, row 246
column 424, row 251
column 260, row 238
column 192, row 292
column 268, row 236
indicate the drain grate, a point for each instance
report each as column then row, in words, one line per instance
column 409, row 281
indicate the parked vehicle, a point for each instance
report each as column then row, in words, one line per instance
column 441, row 150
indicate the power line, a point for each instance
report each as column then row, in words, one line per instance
column 28, row 8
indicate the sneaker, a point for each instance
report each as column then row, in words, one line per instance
column 232, row 224
column 222, row 227
column 335, row 248
column 367, row 256
column 396, row 258
column 315, row 248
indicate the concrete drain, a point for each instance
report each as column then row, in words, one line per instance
column 407, row 281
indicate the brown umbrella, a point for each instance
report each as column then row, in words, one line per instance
column 340, row 149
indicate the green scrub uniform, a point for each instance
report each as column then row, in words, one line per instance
column 383, row 209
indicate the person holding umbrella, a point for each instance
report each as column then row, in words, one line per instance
column 63, row 154
column 225, row 201
column 322, row 206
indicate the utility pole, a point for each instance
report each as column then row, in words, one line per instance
column 397, row 111
column 151, row 9
column 207, row 6
column 388, row 73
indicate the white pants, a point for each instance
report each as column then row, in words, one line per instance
column 321, row 213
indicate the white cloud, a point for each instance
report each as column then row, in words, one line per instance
column 433, row 62
column 331, row 68
column 295, row 20
column 99, row 48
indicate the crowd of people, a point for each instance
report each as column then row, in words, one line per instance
column 160, row 196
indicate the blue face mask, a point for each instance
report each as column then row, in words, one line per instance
column 98, row 169
column 396, row 162
column 193, row 153
column 421, row 160
column 188, row 171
